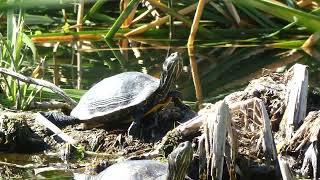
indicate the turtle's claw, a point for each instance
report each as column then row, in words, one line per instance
column 134, row 130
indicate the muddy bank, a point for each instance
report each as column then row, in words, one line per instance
column 97, row 148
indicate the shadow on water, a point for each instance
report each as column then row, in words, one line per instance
column 222, row 70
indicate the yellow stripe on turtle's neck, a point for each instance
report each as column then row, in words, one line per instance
column 159, row 106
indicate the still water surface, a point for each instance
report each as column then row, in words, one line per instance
column 222, row 70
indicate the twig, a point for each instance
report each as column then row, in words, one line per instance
column 49, row 105
column 78, row 44
column 159, row 21
column 141, row 16
column 177, row 15
column 91, row 153
column 40, row 82
column 69, row 38
column 193, row 64
column 195, row 75
column 173, row 13
column 130, row 17
column 27, row 166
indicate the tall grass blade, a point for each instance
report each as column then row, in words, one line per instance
column 232, row 10
column 264, row 18
column 27, row 41
column 31, row 97
column 30, row 4
column 38, row 19
column 97, row 5
column 252, row 15
column 17, row 45
column 10, row 20
column 103, row 17
column 121, row 18
column 290, row 3
column 310, row 21
column 116, row 53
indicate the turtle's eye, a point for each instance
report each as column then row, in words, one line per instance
column 174, row 55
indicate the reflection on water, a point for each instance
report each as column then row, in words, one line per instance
column 221, row 69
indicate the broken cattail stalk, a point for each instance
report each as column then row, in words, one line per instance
column 215, row 130
column 285, row 169
column 268, row 145
column 297, row 91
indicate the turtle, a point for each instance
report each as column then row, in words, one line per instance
column 126, row 97
column 176, row 168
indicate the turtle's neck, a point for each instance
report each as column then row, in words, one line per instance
column 170, row 72
column 177, row 171
column 166, row 81
column 179, row 161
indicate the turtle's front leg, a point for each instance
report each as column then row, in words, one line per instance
column 59, row 119
column 177, row 100
column 185, row 109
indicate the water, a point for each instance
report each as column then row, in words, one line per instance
column 222, row 70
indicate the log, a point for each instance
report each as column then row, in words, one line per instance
column 49, row 105
column 192, row 126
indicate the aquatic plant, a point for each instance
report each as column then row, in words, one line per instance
column 13, row 56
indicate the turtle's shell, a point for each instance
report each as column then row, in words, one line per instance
column 135, row 170
column 116, row 95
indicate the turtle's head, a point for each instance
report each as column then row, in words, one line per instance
column 179, row 161
column 171, row 70
column 172, row 65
